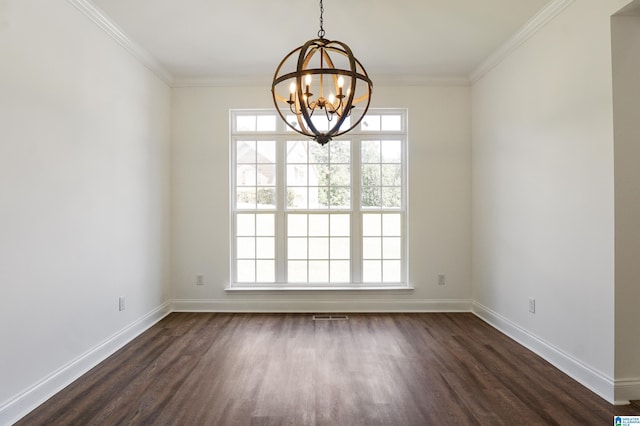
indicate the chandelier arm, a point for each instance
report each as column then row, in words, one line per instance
column 336, row 108
column 291, row 126
column 329, row 115
column 336, row 127
column 357, row 122
column 303, row 130
column 302, row 125
column 292, row 110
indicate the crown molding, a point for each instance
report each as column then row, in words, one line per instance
column 114, row 31
column 548, row 13
column 378, row 81
column 237, row 81
column 542, row 18
column 420, row 80
column 109, row 27
column 631, row 9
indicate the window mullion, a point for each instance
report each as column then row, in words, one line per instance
column 233, row 259
column 356, row 213
column 233, row 243
column 281, row 222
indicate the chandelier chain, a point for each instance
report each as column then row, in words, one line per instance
column 321, row 32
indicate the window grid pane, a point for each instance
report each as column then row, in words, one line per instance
column 256, row 174
column 318, row 177
column 381, row 174
column 318, row 247
column 255, row 247
column 382, row 247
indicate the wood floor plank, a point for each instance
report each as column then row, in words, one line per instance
column 277, row 369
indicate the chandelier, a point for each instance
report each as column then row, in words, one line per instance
column 317, row 86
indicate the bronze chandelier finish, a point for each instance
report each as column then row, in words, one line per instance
column 340, row 82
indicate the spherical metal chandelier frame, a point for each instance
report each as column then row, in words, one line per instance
column 338, row 89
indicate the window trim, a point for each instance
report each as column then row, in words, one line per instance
column 356, row 136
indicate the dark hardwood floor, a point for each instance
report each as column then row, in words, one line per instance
column 372, row 369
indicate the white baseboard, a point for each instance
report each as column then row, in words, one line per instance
column 627, row 390
column 618, row 393
column 582, row 373
column 312, row 306
column 22, row 404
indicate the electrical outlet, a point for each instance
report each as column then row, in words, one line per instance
column 121, row 303
column 442, row 280
column 199, row 279
column 532, row 305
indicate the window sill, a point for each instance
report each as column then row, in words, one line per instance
column 275, row 287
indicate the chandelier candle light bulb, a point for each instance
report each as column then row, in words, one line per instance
column 292, row 91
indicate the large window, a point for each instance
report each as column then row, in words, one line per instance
column 306, row 215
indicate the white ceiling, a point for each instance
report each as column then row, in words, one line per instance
column 247, row 38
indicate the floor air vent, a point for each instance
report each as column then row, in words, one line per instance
column 330, row 317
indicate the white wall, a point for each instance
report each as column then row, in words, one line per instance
column 439, row 202
column 84, row 198
column 543, row 193
column 87, row 170
column 626, row 96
